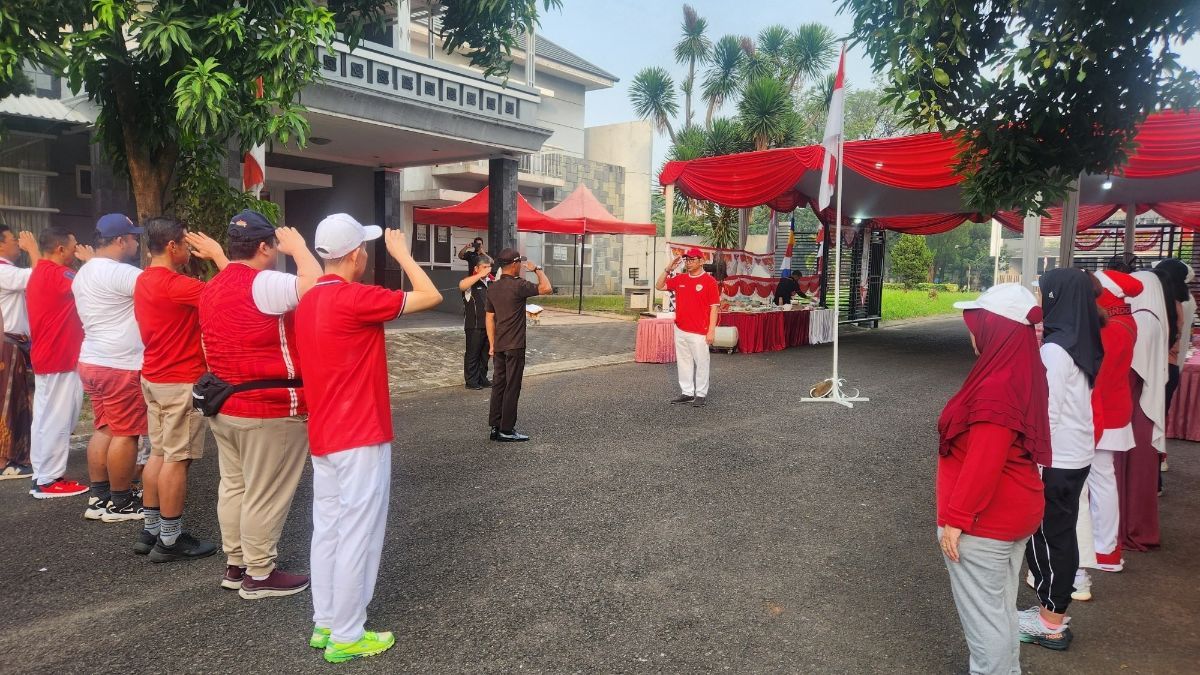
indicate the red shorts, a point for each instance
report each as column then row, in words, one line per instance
column 117, row 401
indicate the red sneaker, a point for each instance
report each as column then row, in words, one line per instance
column 277, row 585
column 59, row 488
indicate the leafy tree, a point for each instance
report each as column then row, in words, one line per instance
column 176, row 80
column 911, row 260
column 1042, row 90
column 652, row 93
column 693, row 47
column 766, row 112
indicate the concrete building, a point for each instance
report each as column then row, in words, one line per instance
column 395, row 124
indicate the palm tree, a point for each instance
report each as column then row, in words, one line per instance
column 766, row 112
column 652, row 93
column 809, row 53
column 755, row 64
column 693, row 47
column 721, row 80
column 726, row 137
column 773, row 42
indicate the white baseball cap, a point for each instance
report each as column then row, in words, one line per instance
column 339, row 234
column 1011, row 301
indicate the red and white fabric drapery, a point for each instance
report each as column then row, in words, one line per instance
column 737, row 261
column 890, row 178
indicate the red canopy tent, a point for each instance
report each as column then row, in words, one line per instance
column 583, row 207
column 908, row 183
column 473, row 214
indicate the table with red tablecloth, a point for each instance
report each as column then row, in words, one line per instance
column 655, row 340
column 768, row 331
column 1183, row 419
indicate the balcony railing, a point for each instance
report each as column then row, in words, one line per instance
column 548, row 164
column 407, row 76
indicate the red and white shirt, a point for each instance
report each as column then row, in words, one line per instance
column 248, row 333
column 339, row 326
column 694, row 300
column 165, row 305
column 54, row 327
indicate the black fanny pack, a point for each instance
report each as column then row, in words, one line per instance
column 210, row 392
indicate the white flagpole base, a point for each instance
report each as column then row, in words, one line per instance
column 837, row 396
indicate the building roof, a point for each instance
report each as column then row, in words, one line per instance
column 36, row 107
column 551, row 50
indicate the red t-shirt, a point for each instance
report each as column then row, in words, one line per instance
column 694, row 298
column 55, row 331
column 164, row 304
column 988, row 486
column 339, row 331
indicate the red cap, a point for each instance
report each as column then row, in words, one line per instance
column 694, row 252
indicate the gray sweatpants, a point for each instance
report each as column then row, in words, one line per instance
column 984, row 582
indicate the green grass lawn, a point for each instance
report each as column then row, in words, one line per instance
column 591, row 303
column 901, row 304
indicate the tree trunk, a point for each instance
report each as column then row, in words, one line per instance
column 687, row 106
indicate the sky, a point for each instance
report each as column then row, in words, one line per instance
column 624, row 36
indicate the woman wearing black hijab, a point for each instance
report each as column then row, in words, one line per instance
column 1072, row 352
column 1174, row 274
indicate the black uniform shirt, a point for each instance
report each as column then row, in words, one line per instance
column 506, row 299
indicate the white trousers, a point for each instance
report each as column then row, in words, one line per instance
column 1105, row 505
column 1083, row 530
column 350, row 504
column 691, row 357
column 57, row 400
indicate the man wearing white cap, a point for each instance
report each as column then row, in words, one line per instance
column 339, row 327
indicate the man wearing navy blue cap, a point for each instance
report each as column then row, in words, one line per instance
column 248, row 332
column 110, row 365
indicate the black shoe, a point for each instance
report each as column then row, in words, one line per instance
column 474, row 386
column 186, row 547
column 495, row 433
column 145, row 542
column 682, row 398
column 698, row 402
column 485, row 384
column 511, row 437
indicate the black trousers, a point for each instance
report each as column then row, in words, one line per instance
column 1053, row 551
column 475, row 359
column 506, row 388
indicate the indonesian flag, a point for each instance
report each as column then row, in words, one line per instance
column 254, row 162
column 820, row 249
column 785, row 268
column 833, row 136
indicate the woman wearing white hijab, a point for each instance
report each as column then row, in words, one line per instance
column 1137, row 470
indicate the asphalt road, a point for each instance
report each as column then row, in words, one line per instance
column 755, row 535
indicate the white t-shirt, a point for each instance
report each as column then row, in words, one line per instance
column 1072, row 437
column 103, row 291
column 13, row 280
column 275, row 293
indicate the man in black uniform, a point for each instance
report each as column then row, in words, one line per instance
column 788, row 286
column 474, row 289
column 471, row 252
column 506, row 336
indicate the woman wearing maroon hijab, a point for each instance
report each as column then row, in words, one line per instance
column 993, row 433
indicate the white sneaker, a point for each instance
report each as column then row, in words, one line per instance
column 1083, row 586
column 1111, row 568
column 95, row 508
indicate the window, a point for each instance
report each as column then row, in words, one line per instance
column 83, row 181
column 431, row 245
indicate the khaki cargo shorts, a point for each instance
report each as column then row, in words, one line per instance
column 176, row 428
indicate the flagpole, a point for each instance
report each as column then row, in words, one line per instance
column 835, row 394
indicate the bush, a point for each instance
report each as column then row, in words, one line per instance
column 911, row 260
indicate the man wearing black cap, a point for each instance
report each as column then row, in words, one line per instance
column 248, row 332
column 506, row 336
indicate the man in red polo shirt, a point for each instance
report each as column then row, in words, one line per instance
column 164, row 303
column 697, row 302
column 246, row 325
column 56, row 335
column 339, row 326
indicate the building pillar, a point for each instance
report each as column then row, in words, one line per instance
column 1030, row 249
column 502, row 204
column 530, row 57
column 1070, row 222
column 1130, row 226
column 403, row 23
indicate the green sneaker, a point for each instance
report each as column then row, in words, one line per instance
column 370, row 644
column 320, row 638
